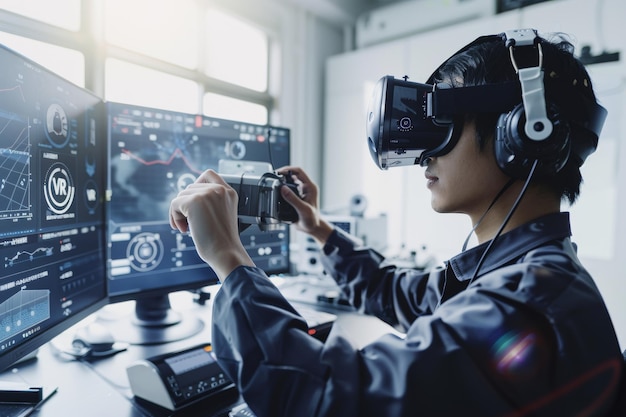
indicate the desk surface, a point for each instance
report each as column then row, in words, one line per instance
column 101, row 388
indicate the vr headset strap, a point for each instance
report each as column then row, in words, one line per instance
column 445, row 103
column 488, row 98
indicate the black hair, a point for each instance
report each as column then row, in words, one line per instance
column 489, row 62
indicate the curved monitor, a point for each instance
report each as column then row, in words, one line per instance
column 153, row 154
column 52, row 238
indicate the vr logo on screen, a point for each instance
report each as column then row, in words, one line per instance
column 59, row 188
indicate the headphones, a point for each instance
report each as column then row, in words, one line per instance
column 408, row 123
column 534, row 130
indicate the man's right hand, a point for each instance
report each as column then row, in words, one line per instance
column 306, row 204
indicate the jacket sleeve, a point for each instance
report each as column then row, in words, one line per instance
column 395, row 295
column 263, row 345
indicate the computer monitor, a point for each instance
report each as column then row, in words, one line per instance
column 154, row 154
column 52, row 223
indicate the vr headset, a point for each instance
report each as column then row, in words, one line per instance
column 408, row 122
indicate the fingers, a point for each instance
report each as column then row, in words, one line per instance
column 210, row 176
column 178, row 213
column 179, row 210
column 292, row 198
column 178, row 220
column 294, row 171
column 307, row 188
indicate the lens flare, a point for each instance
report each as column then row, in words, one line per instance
column 517, row 354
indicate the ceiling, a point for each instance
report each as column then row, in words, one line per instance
column 341, row 12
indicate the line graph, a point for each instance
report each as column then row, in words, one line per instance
column 150, row 167
column 15, row 173
column 26, row 256
column 146, row 173
column 16, row 88
column 177, row 153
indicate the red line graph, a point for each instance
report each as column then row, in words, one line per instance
column 17, row 87
column 177, row 153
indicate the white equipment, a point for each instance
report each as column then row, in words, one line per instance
column 372, row 231
column 414, row 16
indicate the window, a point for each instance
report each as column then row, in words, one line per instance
column 223, row 107
column 163, row 29
column 183, row 56
column 68, row 63
column 236, row 52
column 134, row 84
column 62, row 13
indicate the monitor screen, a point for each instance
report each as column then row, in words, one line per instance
column 154, row 154
column 52, row 237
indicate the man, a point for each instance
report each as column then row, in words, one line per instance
column 514, row 326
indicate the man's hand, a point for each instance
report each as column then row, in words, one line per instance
column 306, row 204
column 208, row 210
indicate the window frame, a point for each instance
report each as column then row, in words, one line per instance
column 89, row 40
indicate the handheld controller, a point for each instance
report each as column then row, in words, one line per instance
column 260, row 201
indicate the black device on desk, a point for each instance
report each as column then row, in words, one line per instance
column 177, row 380
column 52, row 243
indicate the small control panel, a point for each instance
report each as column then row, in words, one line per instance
column 178, row 379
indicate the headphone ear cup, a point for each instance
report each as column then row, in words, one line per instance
column 515, row 152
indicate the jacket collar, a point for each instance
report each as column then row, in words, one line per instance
column 511, row 245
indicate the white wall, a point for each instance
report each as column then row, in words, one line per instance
column 400, row 192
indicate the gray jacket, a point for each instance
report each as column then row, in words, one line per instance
column 530, row 336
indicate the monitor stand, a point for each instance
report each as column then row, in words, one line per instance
column 154, row 322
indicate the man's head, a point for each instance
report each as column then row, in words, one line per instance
column 530, row 100
column 566, row 85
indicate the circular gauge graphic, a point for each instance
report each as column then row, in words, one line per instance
column 145, row 251
column 59, row 188
column 237, row 150
column 185, row 180
column 57, row 127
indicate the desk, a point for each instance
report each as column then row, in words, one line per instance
column 100, row 388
